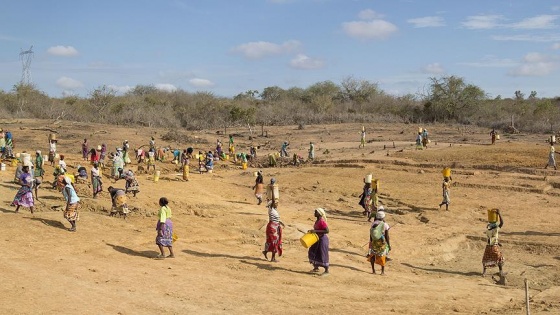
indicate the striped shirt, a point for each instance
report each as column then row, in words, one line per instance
column 273, row 215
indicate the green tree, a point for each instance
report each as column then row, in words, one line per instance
column 451, row 98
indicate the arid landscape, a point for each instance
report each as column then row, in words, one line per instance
column 108, row 265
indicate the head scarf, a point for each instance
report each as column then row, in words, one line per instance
column 492, row 225
column 322, row 213
column 38, row 152
column 380, row 208
column 273, row 180
column 380, row 215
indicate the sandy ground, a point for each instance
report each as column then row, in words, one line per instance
column 108, row 266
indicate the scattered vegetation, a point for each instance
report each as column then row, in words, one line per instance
column 446, row 99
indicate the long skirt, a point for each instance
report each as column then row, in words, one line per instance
column 446, row 199
column 551, row 160
column 492, row 256
column 24, row 197
column 166, row 239
column 318, row 253
column 273, row 238
column 71, row 213
column 97, row 184
column 378, row 251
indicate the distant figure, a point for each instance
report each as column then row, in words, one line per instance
column 318, row 253
column 72, row 203
column 164, row 229
column 311, row 151
column 493, row 135
column 551, row 157
column 492, row 254
column 39, row 171
column 153, row 143
column 52, row 151
column 24, row 196
column 96, row 182
column 445, row 187
column 119, row 201
column 151, row 159
column 85, row 150
column 102, row 155
column 425, row 139
column 94, row 158
column 284, row 149
column 259, row 187
column 379, row 244
column 273, row 233
column 362, row 139
column 419, row 141
column 131, row 184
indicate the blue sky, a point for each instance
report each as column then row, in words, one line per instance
column 230, row 46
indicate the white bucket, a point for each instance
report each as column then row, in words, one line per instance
column 369, row 177
column 26, row 159
column 553, row 139
column 2, row 167
column 45, row 157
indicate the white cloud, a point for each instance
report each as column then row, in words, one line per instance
column 120, row 89
column 64, row 51
column 201, row 83
column 476, row 22
column 166, row 87
column 536, row 22
column 257, row 50
column 376, row 29
column 536, row 65
column 433, row 68
column 304, row 62
column 556, row 46
column 369, row 14
column 67, row 83
column 528, row 38
column 491, row 61
column 427, row 21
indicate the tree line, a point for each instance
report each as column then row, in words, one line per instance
column 447, row 99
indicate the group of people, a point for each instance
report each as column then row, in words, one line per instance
column 6, row 144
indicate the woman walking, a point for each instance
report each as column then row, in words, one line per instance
column 445, row 187
column 492, row 253
column 164, row 229
column 39, row 171
column 318, row 253
column 259, row 187
column 379, row 245
column 72, row 202
column 102, row 155
column 24, row 196
column 273, row 233
column 96, row 182
column 85, row 150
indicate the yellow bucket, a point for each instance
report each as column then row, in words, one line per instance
column 244, row 166
column 227, row 157
column 375, row 184
column 492, row 215
column 186, row 172
column 156, row 176
column 309, row 239
column 14, row 162
column 446, row 172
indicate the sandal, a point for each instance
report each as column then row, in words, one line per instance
column 160, row 257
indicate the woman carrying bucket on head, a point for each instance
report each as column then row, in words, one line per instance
column 318, row 253
column 445, row 188
column 273, row 233
column 492, row 254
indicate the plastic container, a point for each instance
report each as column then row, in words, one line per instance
column 14, row 162
column 446, row 172
column 244, row 165
column 308, row 239
column 2, row 167
column 227, row 157
column 45, row 158
column 98, row 148
column 376, row 184
column 255, row 174
column 272, row 192
column 52, row 136
column 156, row 176
column 492, row 215
column 419, row 129
column 26, row 159
column 368, row 179
column 186, row 172
column 18, row 155
column 497, row 137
